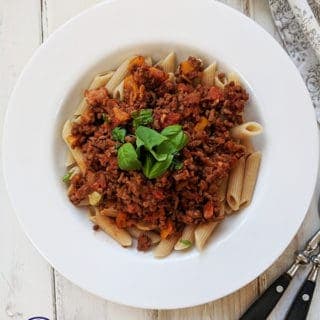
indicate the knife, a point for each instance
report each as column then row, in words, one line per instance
column 263, row 306
column 302, row 301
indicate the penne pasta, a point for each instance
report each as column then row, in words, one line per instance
column 92, row 211
column 165, row 247
column 70, row 162
column 83, row 203
column 114, row 113
column 76, row 152
column 93, row 219
column 223, row 189
column 227, row 209
column 136, row 233
column 220, row 81
column 145, row 226
column 208, row 74
column 171, row 78
column 118, row 92
column 187, row 238
column 74, row 170
column 99, row 81
column 247, row 129
column 148, row 61
column 203, row 232
column 235, row 185
column 248, row 145
column 158, row 64
column 109, row 226
column 168, row 64
column 233, row 77
column 119, row 75
column 222, row 212
column 109, row 212
column 250, row 177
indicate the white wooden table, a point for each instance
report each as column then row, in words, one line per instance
column 28, row 285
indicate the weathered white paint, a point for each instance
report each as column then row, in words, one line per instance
column 25, row 278
column 28, row 285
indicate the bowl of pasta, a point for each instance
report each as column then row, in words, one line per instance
column 162, row 157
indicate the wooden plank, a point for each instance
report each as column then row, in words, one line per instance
column 73, row 302
column 59, row 11
column 309, row 226
column 232, row 306
column 25, row 278
column 227, row 308
column 260, row 12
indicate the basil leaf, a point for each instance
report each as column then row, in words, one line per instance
column 118, row 134
column 158, row 155
column 149, row 137
column 171, row 130
column 166, row 147
column 173, row 145
column 187, row 243
column 159, row 168
column 147, row 165
column 139, row 142
column 66, row 177
column 128, row 158
column 180, row 140
column 142, row 117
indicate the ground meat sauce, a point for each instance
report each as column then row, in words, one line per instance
column 185, row 196
column 144, row 242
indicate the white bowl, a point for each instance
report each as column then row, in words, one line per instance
column 48, row 91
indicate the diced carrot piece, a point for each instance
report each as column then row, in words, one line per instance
column 208, row 210
column 167, row 231
column 121, row 116
column 201, row 125
column 158, row 74
column 186, row 67
column 136, row 62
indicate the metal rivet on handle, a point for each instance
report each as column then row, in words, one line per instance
column 305, row 297
column 279, row 289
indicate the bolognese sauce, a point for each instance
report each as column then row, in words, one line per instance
column 187, row 191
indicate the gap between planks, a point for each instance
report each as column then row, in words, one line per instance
column 44, row 32
column 44, row 20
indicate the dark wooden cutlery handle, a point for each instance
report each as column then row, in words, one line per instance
column 263, row 306
column 300, row 306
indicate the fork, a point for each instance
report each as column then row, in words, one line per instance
column 263, row 306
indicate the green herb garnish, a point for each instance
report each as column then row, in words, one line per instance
column 128, row 158
column 149, row 138
column 142, row 117
column 155, row 151
column 66, row 177
column 154, row 169
column 118, row 134
column 187, row 243
column 171, row 130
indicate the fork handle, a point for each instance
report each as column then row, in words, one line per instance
column 263, row 306
column 301, row 304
